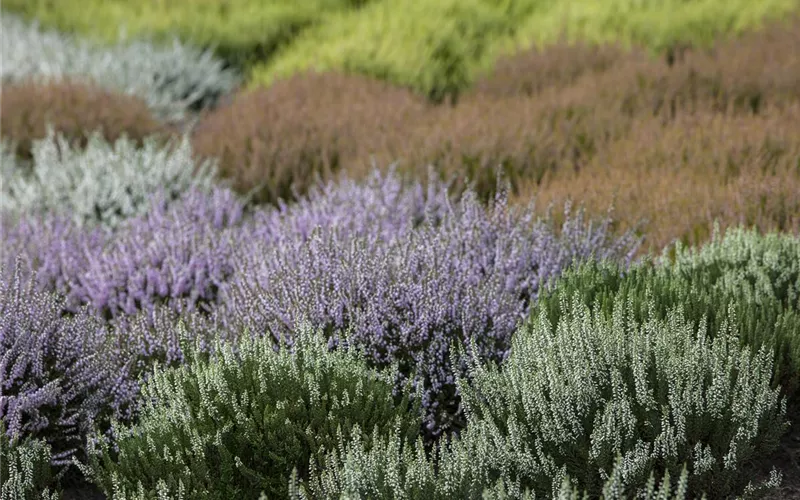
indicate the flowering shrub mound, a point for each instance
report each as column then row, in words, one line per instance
column 607, row 403
column 59, row 375
column 237, row 423
column 467, row 273
column 103, row 184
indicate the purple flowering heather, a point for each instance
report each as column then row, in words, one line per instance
column 407, row 292
column 58, row 376
column 177, row 253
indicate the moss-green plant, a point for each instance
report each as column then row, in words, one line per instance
column 25, row 472
column 236, row 422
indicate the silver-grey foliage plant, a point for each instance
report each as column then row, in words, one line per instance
column 103, row 184
column 170, row 78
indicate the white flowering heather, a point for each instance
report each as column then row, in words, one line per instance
column 102, row 184
column 25, row 469
column 759, row 266
column 581, row 399
column 170, row 78
column 393, row 469
column 58, row 376
column 235, row 424
column 408, row 288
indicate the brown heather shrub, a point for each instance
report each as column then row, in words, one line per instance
column 677, row 178
column 277, row 141
column 76, row 109
column 529, row 72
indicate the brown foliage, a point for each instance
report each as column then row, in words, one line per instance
column 75, row 109
column 529, row 72
column 278, row 141
column 677, row 178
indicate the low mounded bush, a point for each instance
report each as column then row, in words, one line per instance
column 103, row 184
column 433, row 48
column 60, row 376
column 762, row 267
column 238, row 422
column 74, row 109
column 582, row 397
column 25, row 471
column 172, row 78
column 277, row 142
column 176, row 254
column 409, row 294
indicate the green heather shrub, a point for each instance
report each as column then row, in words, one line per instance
column 705, row 295
column 761, row 267
column 432, row 47
column 656, row 25
column 25, row 472
column 235, row 423
column 578, row 398
column 75, row 109
column 103, row 184
column 393, row 468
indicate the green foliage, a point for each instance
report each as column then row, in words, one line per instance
column 603, row 403
column 25, row 472
column 761, row 267
column 235, row 423
column 238, row 30
column 657, row 25
column 433, row 47
column 705, row 297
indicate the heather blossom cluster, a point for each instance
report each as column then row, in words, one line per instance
column 405, row 289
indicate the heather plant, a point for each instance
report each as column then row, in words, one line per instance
column 176, row 254
column 25, row 472
column 407, row 297
column 237, row 422
column 761, row 319
column 103, row 184
column 392, row 468
column 240, row 30
column 59, row 376
column 737, row 168
column 762, row 267
column 433, row 48
column 73, row 108
column 576, row 400
column 172, row 78
column 529, row 72
column 277, row 142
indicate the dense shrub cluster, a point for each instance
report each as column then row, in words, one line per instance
column 172, row 79
column 60, row 376
column 103, row 184
column 239, row 423
column 734, row 169
column 275, row 142
column 467, row 274
column 177, row 254
column 589, row 399
column 75, row 109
